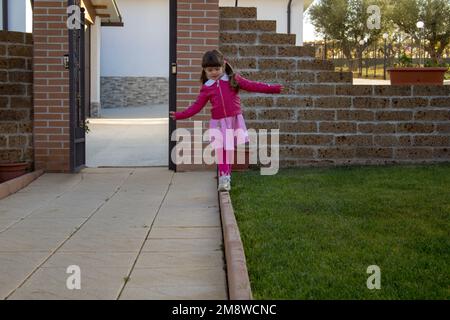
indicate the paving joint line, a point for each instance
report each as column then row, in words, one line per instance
column 145, row 239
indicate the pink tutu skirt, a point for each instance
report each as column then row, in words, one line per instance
column 230, row 131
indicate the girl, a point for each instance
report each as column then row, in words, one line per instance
column 221, row 86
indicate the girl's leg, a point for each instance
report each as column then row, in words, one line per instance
column 228, row 160
column 225, row 166
column 221, row 163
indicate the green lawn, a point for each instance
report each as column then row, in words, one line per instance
column 312, row 233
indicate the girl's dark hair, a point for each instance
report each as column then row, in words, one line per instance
column 215, row 58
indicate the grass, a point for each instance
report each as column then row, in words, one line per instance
column 312, row 233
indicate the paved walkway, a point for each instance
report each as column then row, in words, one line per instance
column 132, row 136
column 135, row 233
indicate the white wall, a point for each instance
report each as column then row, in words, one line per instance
column 95, row 60
column 276, row 10
column 20, row 16
column 141, row 47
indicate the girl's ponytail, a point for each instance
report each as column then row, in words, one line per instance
column 203, row 77
column 230, row 72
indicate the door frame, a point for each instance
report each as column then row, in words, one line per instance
column 172, row 76
column 77, row 97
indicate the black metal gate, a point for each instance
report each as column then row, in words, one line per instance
column 172, row 76
column 77, row 91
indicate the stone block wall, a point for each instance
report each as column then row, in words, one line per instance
column 16, row 85
column 133, row 91
column 323, row 118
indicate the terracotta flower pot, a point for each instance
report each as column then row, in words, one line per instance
column 417, row 76
column 10, row 171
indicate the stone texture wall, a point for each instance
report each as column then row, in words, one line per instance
column 323, row 119
column 133, row 91
column 16, row 85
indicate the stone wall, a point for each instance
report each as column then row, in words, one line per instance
column 323, row 119
column 16, row 113
column 133, row 91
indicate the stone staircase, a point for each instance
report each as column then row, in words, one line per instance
column 258, row 52
column 255, row 49
column 323, row 119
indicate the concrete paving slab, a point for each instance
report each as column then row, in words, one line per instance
column 141, row 143
column 186, row 233
column 181, row 245
column 106, row 219
column 186, row 259
column 189, row 218
column 80, row 243
column 87, row 260
column 24, row 240
column 48, row 226
column 174, row 293
column 51, row 283
column 5, row 223
column 177, row 276
column 15, row 267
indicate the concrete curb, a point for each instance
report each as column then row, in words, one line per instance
column 12, row 186
column 237, row 274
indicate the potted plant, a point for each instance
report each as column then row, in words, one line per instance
column 11, row 169
column 406, row 74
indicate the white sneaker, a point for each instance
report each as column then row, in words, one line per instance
column 224, row 183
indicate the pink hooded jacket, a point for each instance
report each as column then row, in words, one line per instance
column 224, row 100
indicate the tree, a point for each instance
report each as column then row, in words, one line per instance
column 346, row 22
column 436, row 16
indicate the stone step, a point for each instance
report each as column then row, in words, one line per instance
column 255, row 38
column 248, row 25
column 315, row 65
column 267, row 64
column 237, row 13
column 232, row 50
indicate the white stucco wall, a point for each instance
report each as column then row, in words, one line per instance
column 275, row 10
column 141, row 47
column 20, row 16
column 95, row 60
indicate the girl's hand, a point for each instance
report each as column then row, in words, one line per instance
column 172, row 115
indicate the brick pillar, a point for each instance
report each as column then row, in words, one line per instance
column 51, row 86
column 197, row 32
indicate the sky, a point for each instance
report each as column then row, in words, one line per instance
column 308, row 28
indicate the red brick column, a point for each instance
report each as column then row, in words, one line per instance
column 197, row 32
column 51, row 86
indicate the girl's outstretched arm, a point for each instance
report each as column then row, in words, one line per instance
column 254, row 86
column 195, row 108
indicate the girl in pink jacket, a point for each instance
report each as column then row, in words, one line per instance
column 221, row 87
